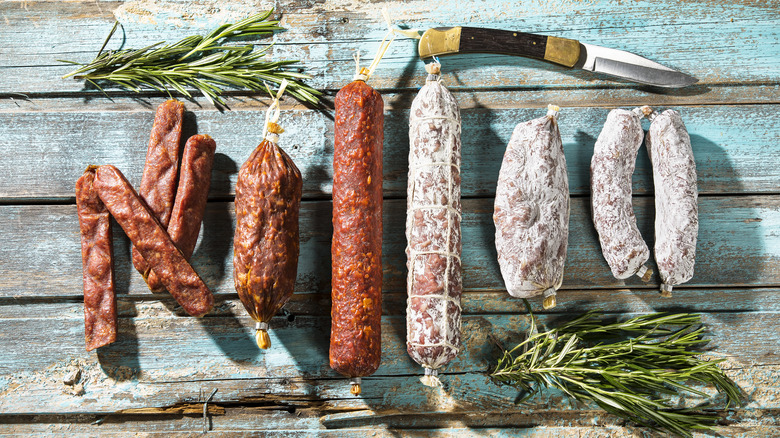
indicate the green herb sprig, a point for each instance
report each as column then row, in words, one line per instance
column 204, row 63
column 627, row 368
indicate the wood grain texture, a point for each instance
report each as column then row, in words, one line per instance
column 737, row 47
column 50, row 263
column 144, row 367
column 154, row 380
column 734, row 146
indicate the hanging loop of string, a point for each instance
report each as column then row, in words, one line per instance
column 271, row 130
column 362, row 74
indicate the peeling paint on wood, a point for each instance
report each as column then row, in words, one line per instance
column 154, row 380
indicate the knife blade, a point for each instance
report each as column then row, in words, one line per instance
column 562, row 51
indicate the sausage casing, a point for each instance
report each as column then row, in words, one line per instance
column 152, row 241
column 98, row 264
column 191, row 197
column 266, row 242
column 355, row 341
column 613, row 163
column 433, row 236
column 158, row 183
column 676, row 195
column 531, row 212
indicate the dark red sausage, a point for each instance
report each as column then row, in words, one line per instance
column 266, row 243
column 158, row 184
column 98, row 264
column 191, row 197
column 152, row 241
column 355, row 348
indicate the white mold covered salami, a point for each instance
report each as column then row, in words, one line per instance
column 433, row 228
column 613, row 163
column 676, row 208
column 531, row 211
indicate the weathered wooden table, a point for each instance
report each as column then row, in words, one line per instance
column 156, row 377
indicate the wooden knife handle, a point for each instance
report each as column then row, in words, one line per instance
column 444, row 41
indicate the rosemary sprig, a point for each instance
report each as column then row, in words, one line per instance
column 627, row 368
column 204, row 63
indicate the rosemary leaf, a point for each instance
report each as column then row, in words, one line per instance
column 627, row 368
column 205, row 63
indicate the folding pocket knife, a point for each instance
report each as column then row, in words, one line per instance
column 563, row 51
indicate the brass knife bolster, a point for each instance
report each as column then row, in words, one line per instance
column 439, row 41
column 449, row 40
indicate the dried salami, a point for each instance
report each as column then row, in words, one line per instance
column 676, row 194
column 266, row 242
column 158, row 183
column 355, row 341
column 191, row 197
column 531, row 211
column 612, row 165
column 97, row 255
column 148, row 235
column 433, row 236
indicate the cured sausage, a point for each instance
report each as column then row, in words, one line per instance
column 433, row 217
column 191, row 197
column 613, row 163
column 266, row 242
column 355, row 340
column 97, row 258
column 531, row 211
column 152, row 241
column 158, row 183
column 676, row 194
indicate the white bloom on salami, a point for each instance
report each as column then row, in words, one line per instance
column 676, row 194
column 433, row 228
column 612, row 165
column 531, row 211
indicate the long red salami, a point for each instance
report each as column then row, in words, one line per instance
column 355, row 341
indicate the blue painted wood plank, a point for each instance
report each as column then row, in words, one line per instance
column 736, row 47
column 734, row 232
column 46, row 151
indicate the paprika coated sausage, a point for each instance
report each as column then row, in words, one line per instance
column 355, row 342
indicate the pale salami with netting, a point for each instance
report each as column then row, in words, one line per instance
column 531, row 211
column 676, row 207
column 612, row 165
column 433, row 228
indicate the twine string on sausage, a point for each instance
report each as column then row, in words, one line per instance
column 270, row 128
column 362, row 74
column 430, row 378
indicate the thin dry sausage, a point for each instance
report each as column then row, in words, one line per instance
column 613, row 162
column 191, row 197
column 152, row 241
column 100, row 324
column 158, row 183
